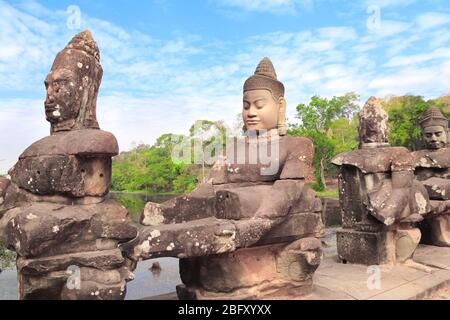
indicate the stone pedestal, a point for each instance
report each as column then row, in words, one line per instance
column 375, row 248
column 279, row 271
column 70, row 252
column 436, row 230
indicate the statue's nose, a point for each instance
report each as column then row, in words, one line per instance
column 49, row 98
column 252, row 112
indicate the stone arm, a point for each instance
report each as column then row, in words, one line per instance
column 439, row 192
column 298, row 163
column 195, row 205
column 402, row 198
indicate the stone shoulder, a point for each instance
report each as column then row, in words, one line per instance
column 376, row 159
column 76, row 142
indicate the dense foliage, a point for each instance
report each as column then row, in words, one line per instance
column 404, row 115
column 7, row 258
column 152, row 169
column 160, row 169
column 331, row 125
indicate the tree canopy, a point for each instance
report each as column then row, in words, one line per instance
column 330, row 124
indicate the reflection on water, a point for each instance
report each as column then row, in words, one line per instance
column 8, row 284
column 146, row 282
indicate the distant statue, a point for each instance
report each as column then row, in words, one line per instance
column 54, row 211
column 432, row 168
column 380, row 200
column 373, row 125
column 251, row 230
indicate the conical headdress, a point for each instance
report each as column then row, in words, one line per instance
column 85, row 42
column 265, row 77
column 433, row 117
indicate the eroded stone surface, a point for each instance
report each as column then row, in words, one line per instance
column 255, row 273
column 53, row 211
column 381, row 200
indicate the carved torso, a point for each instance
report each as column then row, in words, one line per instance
column 75, row 163
column 432, row 163
column 255, row 161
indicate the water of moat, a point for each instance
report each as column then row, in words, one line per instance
column 146, row 282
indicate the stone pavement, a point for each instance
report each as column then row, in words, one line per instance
column 335, row 280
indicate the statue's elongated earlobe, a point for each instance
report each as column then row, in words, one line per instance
column 282, row 127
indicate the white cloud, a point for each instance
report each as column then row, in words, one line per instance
column 274, row 6
column 426, row 81
column 390, row 3
column 431, row 20
column 22, row 121
column 414, row 60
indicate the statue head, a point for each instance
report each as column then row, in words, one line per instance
column 373, row 125
column 72, row 85
column 434, row 128
column 264, row 103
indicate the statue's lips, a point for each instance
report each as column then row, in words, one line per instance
column 435, row 145
column 253, row 122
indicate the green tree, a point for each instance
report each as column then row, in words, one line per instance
column 152, row 169
column 404, row 116
column 320, row 112
column 207, row 136
column 330, row 124
column 7, row 258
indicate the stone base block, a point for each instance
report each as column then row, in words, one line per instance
column 436, row 231
column 368, row 248
column 273, row 291
column 276, row 271
column 374, row 248
column 74, row 283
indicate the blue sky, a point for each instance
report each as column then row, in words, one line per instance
column 168, row 63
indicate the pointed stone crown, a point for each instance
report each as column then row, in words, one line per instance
column 84, row 41
column 265, row 78
column 266, row 68
column 433, row 117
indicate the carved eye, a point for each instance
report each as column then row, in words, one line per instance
column 260, row 104
column 246, row 105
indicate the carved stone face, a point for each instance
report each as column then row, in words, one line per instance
column 435, row 137
column 260, row 110
column 62, row 101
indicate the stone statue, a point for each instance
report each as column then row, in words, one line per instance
column 380, row 200
column 251, row 230
column 54, row 211
column 432, row 168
